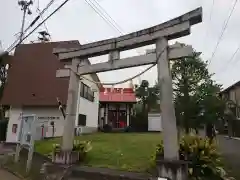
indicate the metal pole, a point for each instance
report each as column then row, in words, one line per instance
column 25, row 8
column 23, row 23
column 170, row 136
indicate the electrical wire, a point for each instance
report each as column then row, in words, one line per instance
column 39, row 11
column 114, row 22
column 224, row 68
column 57, row 9
column 40, row 14
column 223, row 30
column 96, row 9
column 210, row 18
column 105, row 16
column 211, row 11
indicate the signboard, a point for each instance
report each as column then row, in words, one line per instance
column 26, row 137
column 48, row 117
column 27, row 130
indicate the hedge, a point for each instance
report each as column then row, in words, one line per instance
column 3, row 129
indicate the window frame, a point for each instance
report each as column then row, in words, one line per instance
column 80, row 123
column 86, row 92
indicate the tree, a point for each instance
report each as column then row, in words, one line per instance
column 3, row 78
column 148, row 95
column 195, row 94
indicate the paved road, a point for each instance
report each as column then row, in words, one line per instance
column 230, row 149
column 5, row 175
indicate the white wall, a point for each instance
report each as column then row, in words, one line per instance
column 47, row 112
column 14, row 115
column 88, row 108
column 14, row 118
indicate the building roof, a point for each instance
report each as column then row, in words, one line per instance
column 32, row 75
column 231, row 87
column 117, row 95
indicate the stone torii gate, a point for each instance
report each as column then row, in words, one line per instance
column 158, row 35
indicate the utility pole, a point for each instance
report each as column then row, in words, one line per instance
column 26, row 10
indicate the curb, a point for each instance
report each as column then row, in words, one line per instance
column 234, row 138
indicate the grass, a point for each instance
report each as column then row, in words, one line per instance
column 124, row 151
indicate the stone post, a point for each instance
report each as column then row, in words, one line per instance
column 170, row 166
column 69, row 122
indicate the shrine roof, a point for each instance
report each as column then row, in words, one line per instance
column 126, row 95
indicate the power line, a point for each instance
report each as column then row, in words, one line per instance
column 223, row 70
column 211, row 11
column 40, row 13
column 98, row 11
column 119, row 27
column 222, row 32
column 210, row 18
column 103, row 15
column 57, row 9
column 107, row 19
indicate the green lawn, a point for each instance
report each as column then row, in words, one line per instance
column 126, row 151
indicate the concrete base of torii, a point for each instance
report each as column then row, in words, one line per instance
column 173, row 170
column 66, row 157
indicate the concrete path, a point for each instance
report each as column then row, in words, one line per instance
column 5, row 175
column 230, row 149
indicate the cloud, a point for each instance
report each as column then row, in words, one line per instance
column 76, row 20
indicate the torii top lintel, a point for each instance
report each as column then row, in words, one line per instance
column 172, row 29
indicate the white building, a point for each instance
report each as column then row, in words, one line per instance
column 33, row 88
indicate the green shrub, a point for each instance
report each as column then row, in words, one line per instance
column 139, row 123
column 204, row 159
column 83, row 147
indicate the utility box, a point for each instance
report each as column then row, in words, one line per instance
column 154, row 122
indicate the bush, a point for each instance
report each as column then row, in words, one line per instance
column 3, row 129
column 107, row 128
column 83, row 147
column 204, row 160
column 128, row 129
column 139, row 122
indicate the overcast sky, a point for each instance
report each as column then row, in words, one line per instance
column 78, row 21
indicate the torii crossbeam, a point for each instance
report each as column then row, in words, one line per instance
column 158, row 35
